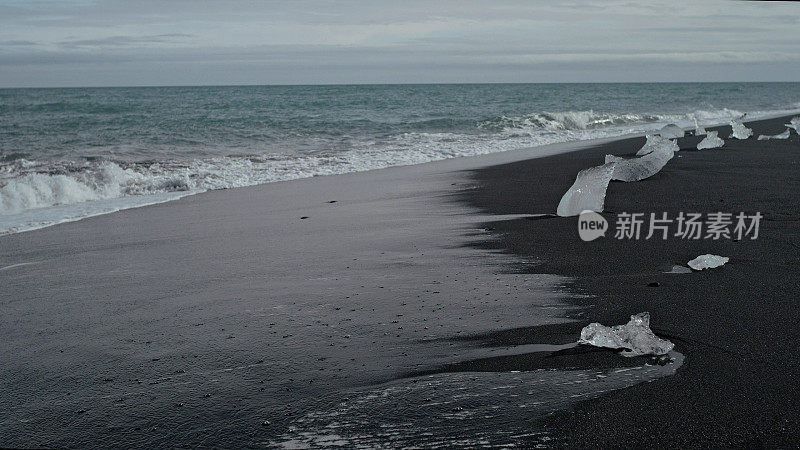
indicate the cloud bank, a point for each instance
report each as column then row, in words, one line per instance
column 143, row 42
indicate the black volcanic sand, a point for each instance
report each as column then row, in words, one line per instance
column 738, row 325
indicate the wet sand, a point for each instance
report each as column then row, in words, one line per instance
column 737, row 325
column 244, row 317
column 223, row 319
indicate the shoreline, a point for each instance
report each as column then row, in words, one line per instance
column 38, row 218
column 216, row 306
column 735, row 371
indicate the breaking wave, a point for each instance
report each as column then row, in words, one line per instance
column 590, row 120
column 569, row 120
column 36, row 193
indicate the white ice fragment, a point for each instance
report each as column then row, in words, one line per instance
column 679, row 269
column 794, row 124
column 739, row 130
column 635, row 337
column 588, row 192
column 656, row 142
column 671, row 131
column 784, row 135
column 710, row 141
column 636, row 169
column 707, row 261
column 698, row 130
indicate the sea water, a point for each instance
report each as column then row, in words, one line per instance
column 71, row 153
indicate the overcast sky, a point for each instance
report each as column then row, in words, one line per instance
column 191, row 42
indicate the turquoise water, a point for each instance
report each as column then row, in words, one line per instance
column 70, row 153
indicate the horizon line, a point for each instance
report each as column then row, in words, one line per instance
column 388, row 84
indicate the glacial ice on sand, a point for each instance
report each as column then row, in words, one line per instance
column 636, row 169
column 784, row 135
column 587, row 192
column 698, row 130
column 671, row 131
column 794, row 124
column 679, row 269
column 635, row 337
column 710, row 141
column 707, row 261
column 740, row 131
column 656, row 142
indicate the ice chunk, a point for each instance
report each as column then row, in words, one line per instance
column 739, row 130
column 698, row 130
column 707, row 261
column 794, row 124
column 671, row 131
column 588, row 192
column 636, row 169
column 656, row 142
column 784, row 135
column 679, row 269
column 710, row 141
column 635, row 337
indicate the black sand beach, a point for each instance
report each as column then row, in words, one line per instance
column 341, row 224
column 268, row 315
column 737, row 325
column 248, row 317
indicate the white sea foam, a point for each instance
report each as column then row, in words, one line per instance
column 38, row 190
column 593, row 120
column 34, row 194
column 570, row 120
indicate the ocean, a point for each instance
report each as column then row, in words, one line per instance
column 71, row 153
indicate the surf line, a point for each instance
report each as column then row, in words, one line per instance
column 18, row 265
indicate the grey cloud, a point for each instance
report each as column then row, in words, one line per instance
column 17, row 43
column 711, row 30
column 320, row 57
column 163, row 42
column 119, row 41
